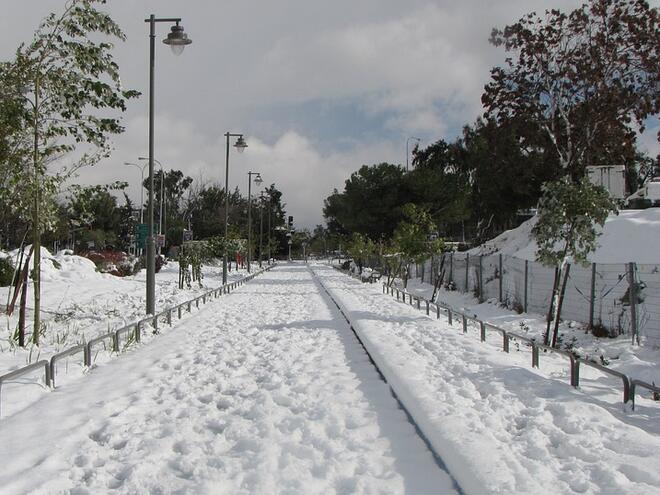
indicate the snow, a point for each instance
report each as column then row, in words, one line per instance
column 264, row 390
column 632, row 235
column 267, row 390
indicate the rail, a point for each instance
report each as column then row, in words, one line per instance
column 25, row 370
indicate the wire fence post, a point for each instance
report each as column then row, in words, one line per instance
column 592, row 295
column 481, row 279
column 526, row 279
column 451, row 267
column 632, row 296
column 467, row 272
column 501, row 278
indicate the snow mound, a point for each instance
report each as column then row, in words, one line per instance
column 62, row 266
column 632, row 235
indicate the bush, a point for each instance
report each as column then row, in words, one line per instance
column 6, row 272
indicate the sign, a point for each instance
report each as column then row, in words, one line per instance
column 160, row 240
column 141, row 231
column 187, row 235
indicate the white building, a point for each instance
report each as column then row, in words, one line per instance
column 611, row 177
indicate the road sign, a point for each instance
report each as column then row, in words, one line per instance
column 141, row 231
column 160, row 240
column 187, row 235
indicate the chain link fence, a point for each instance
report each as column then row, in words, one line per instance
column 613, row 299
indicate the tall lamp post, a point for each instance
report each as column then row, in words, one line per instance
column 270, row 204
column 257, row 180
column 261, row 228
column 162, row 197
column 177, row 40
column 240, row 146
column 141, row 168
column 407, row 152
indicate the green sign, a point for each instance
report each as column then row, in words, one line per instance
column 141, row 233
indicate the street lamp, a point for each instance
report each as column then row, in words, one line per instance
column 407, row 153
column 141, row 197
column 270, row 204
column 240, row 146
column 162, row 197
column 177, row 40
column 141, row 187
column 261, row 228
column 258, row 181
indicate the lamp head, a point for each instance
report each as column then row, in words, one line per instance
column 240, row 144
column 177, row 39
column 258, row 180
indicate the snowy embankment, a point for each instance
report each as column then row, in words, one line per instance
column 265, row 390
column 632, row 235
column 79, row 303
column 499, row 425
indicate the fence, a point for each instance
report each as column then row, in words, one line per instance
column 620, row 298
column 113, row 338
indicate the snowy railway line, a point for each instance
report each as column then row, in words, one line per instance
column 275, row 397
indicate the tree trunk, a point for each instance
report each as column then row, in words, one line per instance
column 555, row 332
column 22, row 310
column 439, row 277
column 36, row 232
column 17, row 282
column 555, row 287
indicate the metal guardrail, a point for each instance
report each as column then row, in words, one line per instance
column 628, row 385
column 26, row 370
column 114, row 336
column 60, row 355
column 639, row 383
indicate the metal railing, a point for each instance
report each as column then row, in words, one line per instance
column 628, row 385
column 114, row 336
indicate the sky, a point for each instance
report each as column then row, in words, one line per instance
column 318, row 88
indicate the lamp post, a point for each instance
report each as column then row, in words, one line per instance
column 261, row 228
column 407, row 152
column 240, row 146
column 270, row 203
column 177, row 40
column 141, row 197
column 257, row 180
column 141, row 187
column 162, row 197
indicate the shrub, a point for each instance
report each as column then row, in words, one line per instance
column 6, row 272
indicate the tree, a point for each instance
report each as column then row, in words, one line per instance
column 370, row 203
column 96, row 209
column 565, row 229
column 65, row 79
column 582, row 77
column 414, row 238
column 586, row 79
column 360, row 248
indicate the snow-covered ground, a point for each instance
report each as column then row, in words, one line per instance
column 79, row 303
column 499, row 425
column 265, row 390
